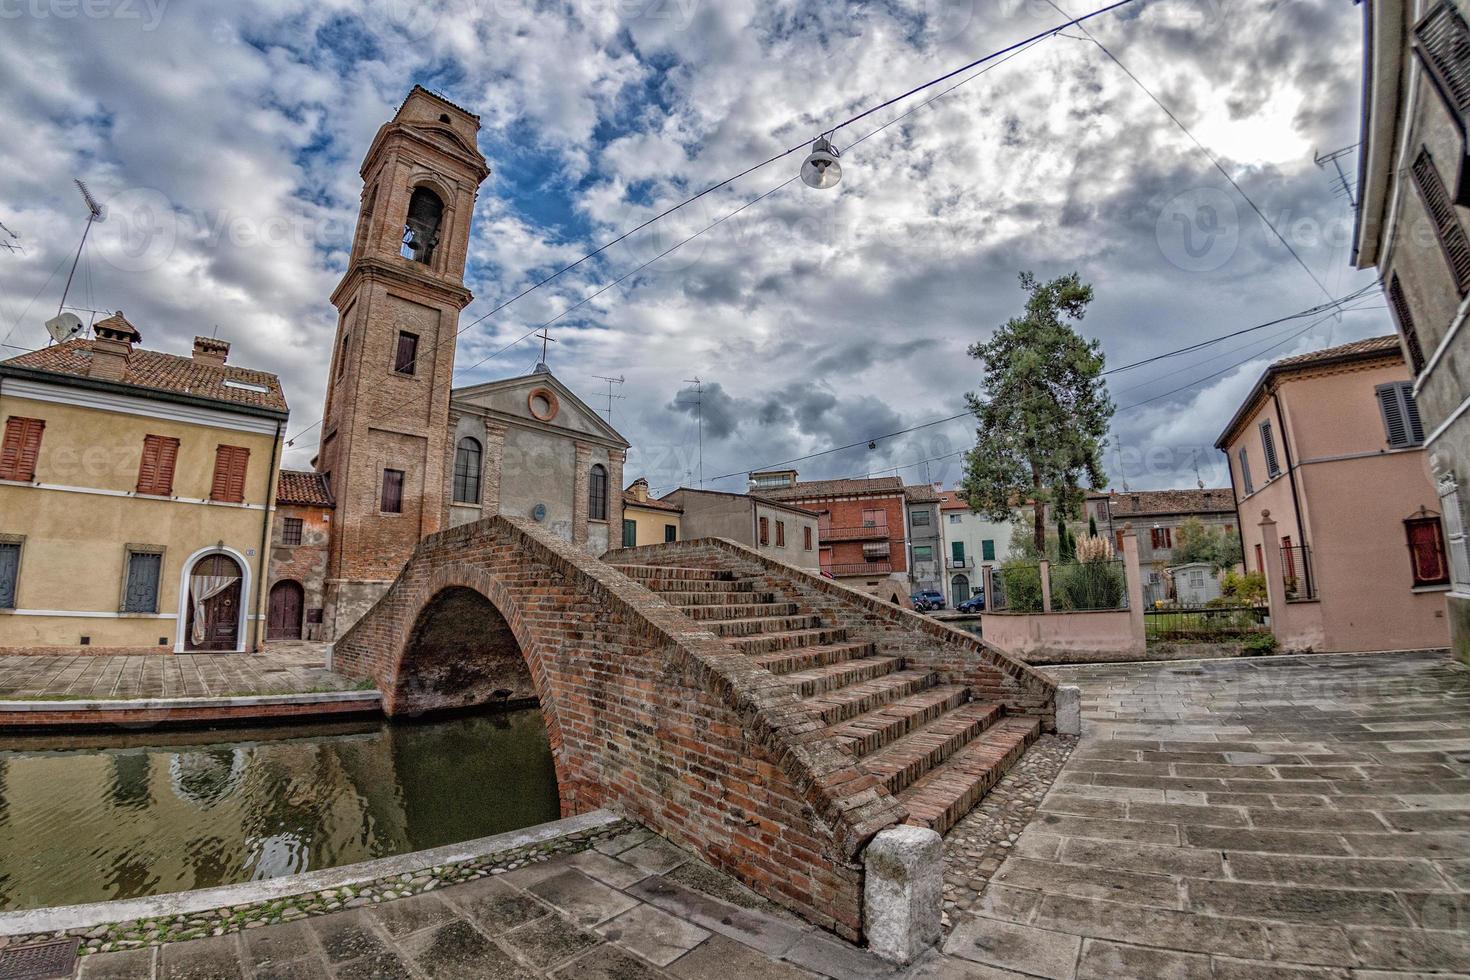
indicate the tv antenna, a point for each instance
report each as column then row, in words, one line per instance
column 1122, row 471
column 1344, row 188
column 13, row 244
column 1198, row 480
column 94, row 215
column 610, row 396
column 699, row 417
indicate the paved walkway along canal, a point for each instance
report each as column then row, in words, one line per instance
column 1289, row 818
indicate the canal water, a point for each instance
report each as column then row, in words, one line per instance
column 120, row 816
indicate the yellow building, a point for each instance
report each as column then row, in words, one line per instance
column 135, row 496
column 646, row 520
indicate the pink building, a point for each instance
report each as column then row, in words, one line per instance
column 1336, row 503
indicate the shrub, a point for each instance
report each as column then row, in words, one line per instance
column 1088, row 585
column 1248, row 589
column 1258, row 645
column 1021, row 586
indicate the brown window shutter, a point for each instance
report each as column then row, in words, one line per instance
column 21, row 448
column 230, row 464
column 1405, row 317
column 1452, row 238
column 156, row 471
column 1444, row 47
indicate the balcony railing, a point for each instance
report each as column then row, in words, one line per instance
column 959, row 562
column 1296, row 573
column 865, row 533
column 862, row 568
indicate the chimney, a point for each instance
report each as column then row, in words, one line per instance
column 640, row 490
column 208, row 350
column 115, row 338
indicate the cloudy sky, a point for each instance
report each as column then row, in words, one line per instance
column 226, row 137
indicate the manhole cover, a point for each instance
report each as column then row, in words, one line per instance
column 39, row 961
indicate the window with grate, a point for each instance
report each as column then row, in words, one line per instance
column 1447, row 228
column 156, row 470
column 407, row 355
column 597, row 493
column 1427, row 556
column 9, row 573
column 22, row 446
column 1399, row 303
column 467, row 457
column 140, row 592
column 1401, row 420
column 392, row 501
column 230, row 466
column 291, row 532
column 1268, row 448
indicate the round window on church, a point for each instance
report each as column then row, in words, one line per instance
column 543, row 404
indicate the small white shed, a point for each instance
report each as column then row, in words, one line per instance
column 1195, row 583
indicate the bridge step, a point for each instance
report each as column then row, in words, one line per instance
column 900, row 764
column 795, row 639
column 719, row 598
column 832, row 677
column 867, row 733
column 790, row 661
column 768, row 626
column 750, row 610
column 835, row 706
column 942, row 797
column 680, row 572
column 710, row 586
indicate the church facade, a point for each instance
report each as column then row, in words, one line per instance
column 403, row 452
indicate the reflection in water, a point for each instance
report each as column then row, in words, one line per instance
column 122, row 818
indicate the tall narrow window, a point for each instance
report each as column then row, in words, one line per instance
column 1427, row 556
column 406, row 358
column 671, row 533
column 780, row 534
column 1245, row 472
column 1401, row 420
column 140, row 592
column 342, row 352
column 1260, row 560
column 1399, row 303
column 806, row 535
column 630, row 533
column 597, row 493
column 987, row 549
column 1442, row 42
column 9, row 573
column 156, row 470
column 20, row 449
column 230, row 466
column 1268, row 448
column 1447, row 228
column 765, row 531
column 392, row 502
column 467, row 458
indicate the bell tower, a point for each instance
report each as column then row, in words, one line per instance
column 385, row 426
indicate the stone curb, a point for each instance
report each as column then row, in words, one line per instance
column 138, row 922
column 164, row 704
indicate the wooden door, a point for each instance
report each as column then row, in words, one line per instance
column 221, row 611
column 287, row 600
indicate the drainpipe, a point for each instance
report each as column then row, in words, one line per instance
column 1296, row 504
column 262, row 588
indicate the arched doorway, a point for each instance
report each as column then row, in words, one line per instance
column 288, row 599
column 959, row 589
column 214, row 614
column 461, row 653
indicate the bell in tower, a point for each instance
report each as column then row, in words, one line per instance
column 385, row 426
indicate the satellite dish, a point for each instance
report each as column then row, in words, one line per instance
column 64, row 327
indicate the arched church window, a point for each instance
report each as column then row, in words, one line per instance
column 597, row 493
column 467, row 472
column 421, row 230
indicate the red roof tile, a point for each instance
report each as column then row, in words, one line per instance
column 813, row 489
column 1151, row 502
column 304, row 489
column 1372, row 345
column 630, row 499
column 165, row 372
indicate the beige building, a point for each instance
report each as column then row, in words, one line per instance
column 1414, row 199
column 783, row 531
column 135, row 496
column 647, row 520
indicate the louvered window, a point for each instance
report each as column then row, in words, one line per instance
column 1442, row 42
column 1447, row 228
column 1400, row 415
column 1401, row 312
column 156, row 470
column 230, row 465
column 1245, row 472
column 765, row 527
column 20, row 449
column 1268, row 447
column 1451, row 505
column 392, row 492
column 780, row 534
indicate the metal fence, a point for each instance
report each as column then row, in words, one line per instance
column 1014, row 588
column 1205, row 622
column 1296, row 573
column 1090, row 585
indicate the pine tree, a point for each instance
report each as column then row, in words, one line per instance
column 1042, row 412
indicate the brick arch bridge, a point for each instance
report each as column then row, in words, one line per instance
column 768, row 719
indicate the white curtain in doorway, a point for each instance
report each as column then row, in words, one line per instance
column 201, row 589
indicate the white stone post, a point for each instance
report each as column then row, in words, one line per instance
column 1045, row 568
column 903, row 892
column 1275, row 579
column 1133, row 572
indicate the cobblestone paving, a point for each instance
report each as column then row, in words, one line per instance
column 288, row 668
column 976, row 846
column 1285, row 818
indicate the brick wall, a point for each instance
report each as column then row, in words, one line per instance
column 646, row 714
column 306, row 562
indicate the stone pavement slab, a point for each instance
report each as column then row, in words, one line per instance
column 288, row 668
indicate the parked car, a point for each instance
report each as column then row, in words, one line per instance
column 931, row 598
column 974, row 604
